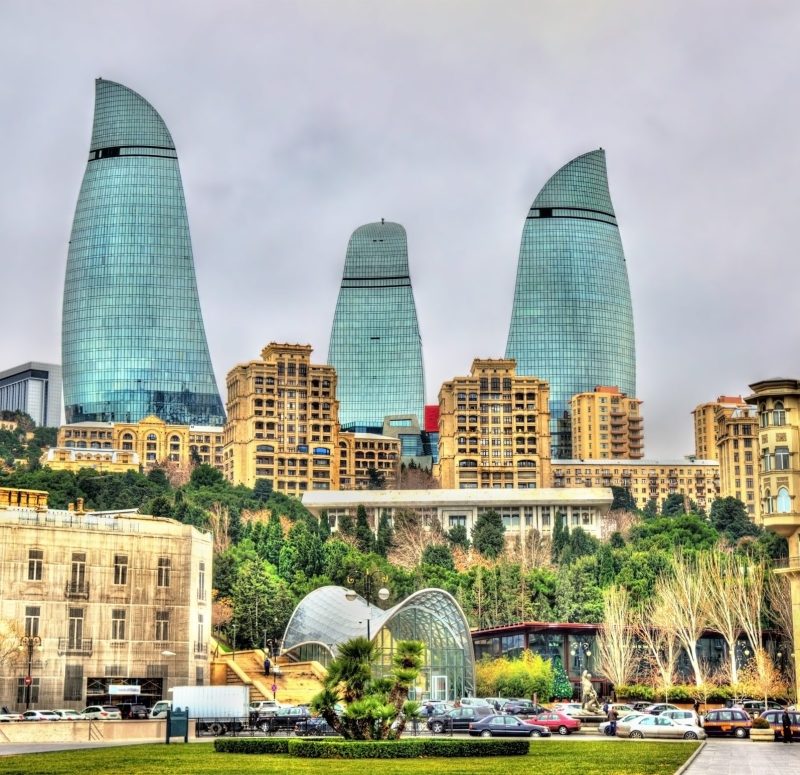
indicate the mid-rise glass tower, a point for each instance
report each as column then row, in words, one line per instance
column 375, row 344
column 572, row 320
column 133, row 342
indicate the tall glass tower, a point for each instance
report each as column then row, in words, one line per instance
column 572, row 321
column 375, row 343
column 132, row 339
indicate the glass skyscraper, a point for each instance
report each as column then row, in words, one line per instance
column 572, row 320
column 133, row 342
column 375, row 344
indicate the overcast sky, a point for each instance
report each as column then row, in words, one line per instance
column 296, row 122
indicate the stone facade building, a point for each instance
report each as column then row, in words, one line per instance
column 606, row 423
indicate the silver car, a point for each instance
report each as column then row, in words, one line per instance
column 661, row 727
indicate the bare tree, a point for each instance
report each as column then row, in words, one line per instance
column 779, row 595
column 682, row 600
column 718, row 570
column 617, row 521
column 9, row 642
column 762, row 677
column 532, row 551
column 616, row 645
column 750, row 586
column 656, row 631
column 412, row 536
column 219, row 519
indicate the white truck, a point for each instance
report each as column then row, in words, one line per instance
column 216, row 708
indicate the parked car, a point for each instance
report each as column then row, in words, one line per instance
column 622, row 708
column 506, row 726
column 314, row 726
column 40, row 715
column 10, row 717
column 756, row 707
column 658, row 708
column 436, row 707
column 774, row 717
column 285, row 718
column 458, row 719
column 132, row 710
column 661, row 727
column 640, row 706
column 102, row 712
column 473, row 701
column 727, row 721
column 522, row 708
column 570, row 708
column 556, row 721
column 68, row 714
column 682, row 717
column 623, row 720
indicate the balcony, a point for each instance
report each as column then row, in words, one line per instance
column 75, row 647
column 200, row 649
column 77, row 590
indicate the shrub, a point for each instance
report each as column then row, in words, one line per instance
column 404, row 749
column 251, row 745
column 761, row 723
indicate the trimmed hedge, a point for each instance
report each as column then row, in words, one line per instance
column 251, row 745
column 413, row 748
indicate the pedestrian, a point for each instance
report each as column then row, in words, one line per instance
column 606, row 707
column 4, row 709
column 697, row 707
column 267, row 666
column 612, row 721
column 786, row 722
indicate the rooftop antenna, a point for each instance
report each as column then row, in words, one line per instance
column 381, row 221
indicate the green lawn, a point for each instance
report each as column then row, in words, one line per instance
column 552, row 757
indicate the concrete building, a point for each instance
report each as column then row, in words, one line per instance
column 122, row 446
column 283, row 421
column 705, row 424
column 777, row 402
column 646, row 480
column 606, row 424
column 121, row 602
column 522, row 510
column 493, row 429
column 738, row 454
column 33, row 388
column 360, row 453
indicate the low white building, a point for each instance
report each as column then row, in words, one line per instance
column 522, row 510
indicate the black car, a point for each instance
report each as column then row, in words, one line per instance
column 132, row 710
column 522, row 708
column 314, row 726
column 285, row 718
column 640, row 707
column 458, row 719
column 506, row 726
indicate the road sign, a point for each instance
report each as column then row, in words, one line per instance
column 28, row 680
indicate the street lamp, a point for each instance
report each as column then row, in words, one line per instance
column 371, row 579
column 29, row 642
column 233, row 642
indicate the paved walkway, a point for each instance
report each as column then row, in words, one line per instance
column 734, row 757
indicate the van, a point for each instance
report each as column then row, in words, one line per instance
column 159, row 710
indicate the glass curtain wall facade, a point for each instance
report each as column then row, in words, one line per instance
column 375, row 345
column 572, row 319
column 133, row 342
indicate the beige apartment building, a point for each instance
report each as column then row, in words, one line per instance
column 777, row 402
column 118, row 605
column 359, row 453
column 283, row 421
column 494, row 429
column 705, row 424
column 646, row 480
column 738, row 455
column 606, row 423
column 122, row 446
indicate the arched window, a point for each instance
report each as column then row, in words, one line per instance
column 778, row 414
column 151, row 436
column 784, row 505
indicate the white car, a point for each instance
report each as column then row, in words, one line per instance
column 570, row 708
column 68, row 714
column 659, row 727
column 10, row 717
column 623, row 720
column 684, row 717
column 473, row 702
column 102, row 713
column 40, row 715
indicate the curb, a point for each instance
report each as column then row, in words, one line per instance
column 688, row 763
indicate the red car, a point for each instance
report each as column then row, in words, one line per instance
column 557, row 722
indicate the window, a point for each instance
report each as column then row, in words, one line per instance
column 781, row 458
column 78, row 570
column 121, row 569
column 201, row 582
column 778, row 414
column 117, row 624
column 162, row 625
column 32, row 620
column 35, row 564
column 73, row 682
column 200, row 631
column 784, row 505
column 75, row 632
column 164, row 564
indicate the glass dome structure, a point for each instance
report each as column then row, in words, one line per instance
column 325, row 618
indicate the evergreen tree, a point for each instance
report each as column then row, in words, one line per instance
column 606, row 573
column 377, row 481
column 560, row 538
column 263, row 489
column 729, row 517
column 273, row 540
column 346, row 525
column 616, row 540
column 562, row 688
column 324, row 528
column 650, row 509
column 622, row 499
column 488, row 535
column 457, row 536
column 438, row 555
column 365, row 539
column 308, row 548
column 674, row 505
column 383, row 544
